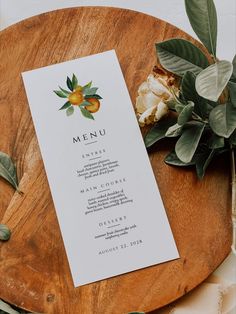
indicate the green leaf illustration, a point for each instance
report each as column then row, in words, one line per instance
column 69, row 84
column 158, row 131
column 85, row 104
column 222, row 120
column 8, row 170
column 173, row 160
column 60, row 93
column 93, row 96
column 69, row 111
column 90, row 91
column 186, row 113
column 87, row 85
column 74, row 81
column 5, row 233
column 203, row 18
column 66, row 92
column 86, row 113
column 65, row 106
column 211, row 82
column 188, row 142
column 179, row 56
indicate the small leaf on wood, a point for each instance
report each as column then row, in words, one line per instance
column 86, row 113
column 65, row 106
column 211, row 82
column 70, row 111
column 222, row 120
column 203, row 18
column 186, row 113
column 179, row 56
column 158, row 131
column 5, row 233
column 69, row 84
column 188, row 142
column 8, row 170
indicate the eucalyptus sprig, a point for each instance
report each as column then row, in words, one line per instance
column 204, row 119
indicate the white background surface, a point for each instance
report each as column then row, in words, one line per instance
column 12, row 11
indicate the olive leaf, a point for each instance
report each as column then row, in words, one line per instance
column 65, row 106
column 74, row 81
column 69, row 84
column 8, row 170
column 179, row 56
column 222, row 120
column 158, row 132
column 188, row 142
column 69, row 111
column 186, row 113
column 86, row 113
column 5, row 233
column 203, row 18
column 211, row 82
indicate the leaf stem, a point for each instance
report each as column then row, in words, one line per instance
column 233, row 176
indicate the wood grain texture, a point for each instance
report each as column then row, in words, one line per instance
column 34, row 270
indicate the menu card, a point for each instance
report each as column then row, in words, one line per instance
column 109, row 208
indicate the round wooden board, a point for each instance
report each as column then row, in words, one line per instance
column 34, row 270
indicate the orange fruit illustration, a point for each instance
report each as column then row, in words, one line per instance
column 95, row 105
column 76, row 98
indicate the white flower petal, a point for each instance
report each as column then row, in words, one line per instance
column 146, row 101
column 143, row 88
column 158, row 86
column 162, row 110
column 148, row 116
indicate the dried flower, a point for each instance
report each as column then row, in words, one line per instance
column 153, row 94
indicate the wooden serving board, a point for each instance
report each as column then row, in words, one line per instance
column 34, row 270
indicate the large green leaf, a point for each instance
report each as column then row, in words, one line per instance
column 8, row 170
column 174, row 130
column 188, row 142
column 179, row 56
column 211, row 82
column 159, row 130
column 222, row 120
column 186, row 113
column 173, row 160
column 203, row 18
column 232, row 91
column 189, row 92
column 234, row 68
column 202, row 160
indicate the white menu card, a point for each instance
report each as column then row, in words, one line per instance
column 106, row 197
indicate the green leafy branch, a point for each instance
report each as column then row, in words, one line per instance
column 204, row 122
column 84, row 97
